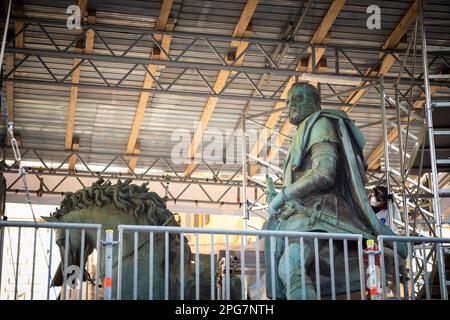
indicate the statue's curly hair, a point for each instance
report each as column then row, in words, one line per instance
column 126, row 197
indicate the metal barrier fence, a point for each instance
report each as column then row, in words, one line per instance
column 165, row 272
column 425, row 258
column 83, row 237
column 153, row 262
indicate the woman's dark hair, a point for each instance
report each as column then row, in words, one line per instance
column 381, row 193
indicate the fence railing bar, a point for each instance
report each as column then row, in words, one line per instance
column 288, row 280
column 317, row 267
column 227, row 266
column 197, row 268
column 166, row 265
column 49, row 273
column 333, row 283
column 33, row 267
column 181, row 266
column 16, row 282
column 272, row 267
column 66, row 261
column 397, row 272
column 302, row 267
column 383, row 268
column 243, row 280
column 152, row 244
column 135, row 265
column 258, row 276
column 212, row 273
column 82, row 245
column 346, row 270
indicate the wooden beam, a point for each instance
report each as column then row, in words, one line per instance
column 163, row 23
column 321, row 36
column 19, row 40
column 83, row 6
column 9, row 86
column 242, row 29
column 75, row 147
column 134, row 157
column 393, row 41
column 402, row 26
column 87, row 47
column 164, row 13
column 9, row 62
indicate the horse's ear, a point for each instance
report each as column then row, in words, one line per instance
column 49, row 219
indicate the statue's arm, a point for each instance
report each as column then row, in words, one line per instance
column 323, row 146
column 320, row 177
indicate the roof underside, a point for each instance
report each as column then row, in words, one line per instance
column 104, row 116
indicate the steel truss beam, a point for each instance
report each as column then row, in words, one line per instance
column 227, row 190
column 184, row 58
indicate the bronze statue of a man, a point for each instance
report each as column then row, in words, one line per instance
column 323, row 191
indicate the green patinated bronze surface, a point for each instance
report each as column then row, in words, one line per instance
column 126, row 203
column 323, row 191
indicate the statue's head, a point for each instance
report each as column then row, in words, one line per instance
column 303, row 99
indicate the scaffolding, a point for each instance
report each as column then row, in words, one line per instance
column 409, row 138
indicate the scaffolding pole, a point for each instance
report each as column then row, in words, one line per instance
column 387, row 166
column 434, row 172
column 245, row 214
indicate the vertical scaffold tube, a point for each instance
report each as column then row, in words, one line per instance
column 434, row 172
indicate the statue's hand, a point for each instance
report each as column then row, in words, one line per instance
column 275, row 205
column 270, row 190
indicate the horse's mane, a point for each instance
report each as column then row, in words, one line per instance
column 126, row 197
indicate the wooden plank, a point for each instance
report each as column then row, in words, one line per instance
column 163, row 15
column 245, row 18
column 402, row 27
column 134, row 158
column 87, row 48
column 163, row 23
column 19, row 42
column 140, row 110
column 75, row 147
column 327, row 21
column 393, row 41
column 9, row 86
column 242, row 29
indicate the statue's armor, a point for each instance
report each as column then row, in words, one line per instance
column 323, row 186
column 320, row 202
column 323, row 191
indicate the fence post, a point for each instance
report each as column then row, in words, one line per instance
column 2, row 232
column 108, row 243
column 373, row 281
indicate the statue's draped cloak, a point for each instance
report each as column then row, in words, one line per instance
column 352, row 173
column 351, row 156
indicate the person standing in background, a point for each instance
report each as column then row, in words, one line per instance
column 379, row 200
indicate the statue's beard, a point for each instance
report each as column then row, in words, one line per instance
column 299, row 113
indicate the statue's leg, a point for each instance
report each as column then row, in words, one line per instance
column 295, row 270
